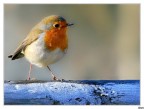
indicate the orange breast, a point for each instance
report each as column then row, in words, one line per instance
column 56, row 38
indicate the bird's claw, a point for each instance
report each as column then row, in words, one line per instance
column 56, row 79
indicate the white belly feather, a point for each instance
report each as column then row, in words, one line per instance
column 37, row 54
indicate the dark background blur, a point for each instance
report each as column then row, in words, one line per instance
column 104, row 43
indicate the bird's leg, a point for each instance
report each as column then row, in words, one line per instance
column 29, row 74
column 53, row 76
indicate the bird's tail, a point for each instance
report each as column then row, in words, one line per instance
column 10, row 56
column 13, row 57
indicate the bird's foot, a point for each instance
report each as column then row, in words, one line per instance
column 28, row 79
column 57, row 79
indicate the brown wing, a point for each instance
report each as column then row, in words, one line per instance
column 17, row 54
column 32, row 36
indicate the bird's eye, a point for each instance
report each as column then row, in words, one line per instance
column 56, row 25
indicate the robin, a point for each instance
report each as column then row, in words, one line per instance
column 46, row 43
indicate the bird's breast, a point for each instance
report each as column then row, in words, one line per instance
column 56, row 39
column 37, row 54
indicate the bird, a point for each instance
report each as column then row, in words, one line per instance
column 46, row 43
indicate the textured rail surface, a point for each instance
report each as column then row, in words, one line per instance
column 81, row 92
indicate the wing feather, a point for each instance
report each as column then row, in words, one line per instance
column 32, row 36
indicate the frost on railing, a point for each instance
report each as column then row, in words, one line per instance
column 86, row 92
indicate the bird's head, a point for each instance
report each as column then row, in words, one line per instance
column 55, row 23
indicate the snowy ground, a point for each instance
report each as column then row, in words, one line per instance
column 72, row 92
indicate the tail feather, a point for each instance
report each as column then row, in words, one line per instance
column 10, row 56
column 13, row 57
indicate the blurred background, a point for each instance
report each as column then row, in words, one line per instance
column 104, row 43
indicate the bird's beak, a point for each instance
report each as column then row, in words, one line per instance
column 70, row 24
